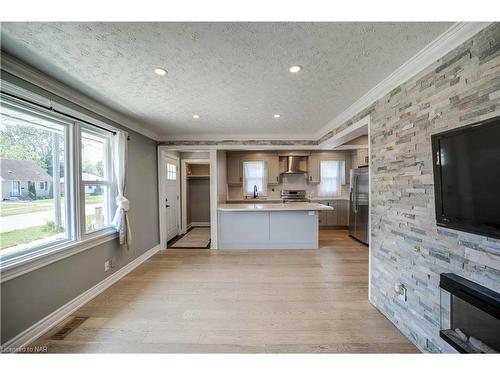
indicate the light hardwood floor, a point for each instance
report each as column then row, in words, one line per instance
column 261, row 301
column 198, row 237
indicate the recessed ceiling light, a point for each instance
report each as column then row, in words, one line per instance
column 160, row 71
column 295, row 69
column 196, row 116
column 277, row 115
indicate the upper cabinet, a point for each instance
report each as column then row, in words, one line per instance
column 313, row 175
column 314, row 164
column 361, row 156
column 235, row 166
column 234, row 169
column 273, row 169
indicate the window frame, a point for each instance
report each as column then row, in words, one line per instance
column 264, row 177
column 340, row 177
column 109, row 180
column 70, row 236
column 172, row 172
column 27, row 260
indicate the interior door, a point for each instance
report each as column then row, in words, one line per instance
column 172, row 198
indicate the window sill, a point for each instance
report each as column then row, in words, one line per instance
column 17, row 266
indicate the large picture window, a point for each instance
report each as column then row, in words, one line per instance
column 32, row 155
column 57, row 181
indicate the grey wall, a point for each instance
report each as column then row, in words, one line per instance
column 407, row 247
column 30, row 297
column 198, row 200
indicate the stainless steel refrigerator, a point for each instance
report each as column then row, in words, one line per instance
column 358, row 207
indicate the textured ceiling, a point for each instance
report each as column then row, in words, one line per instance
column 235, row 75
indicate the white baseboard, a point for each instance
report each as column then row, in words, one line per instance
column 41, row 327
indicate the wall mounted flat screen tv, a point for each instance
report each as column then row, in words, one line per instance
column 466, row 163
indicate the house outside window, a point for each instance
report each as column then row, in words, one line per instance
column 31, row 144
column 44, row 185
column 255, row 175
column 96, row 178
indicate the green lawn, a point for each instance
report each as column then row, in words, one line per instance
column 9, row 208
column 26, row 235
column 20, row 236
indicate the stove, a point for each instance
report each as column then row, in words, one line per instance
column 294, row 196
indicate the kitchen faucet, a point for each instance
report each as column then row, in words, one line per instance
column 255, row 191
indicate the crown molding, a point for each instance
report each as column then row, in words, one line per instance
column 239, row 137
column 28, row 73
column 457, row 34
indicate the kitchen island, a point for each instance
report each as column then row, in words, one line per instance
column 269, row 225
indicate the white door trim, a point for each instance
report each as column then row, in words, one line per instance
column 162, row 179
column 183, row 179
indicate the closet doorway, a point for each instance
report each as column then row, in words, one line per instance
column 195, row 205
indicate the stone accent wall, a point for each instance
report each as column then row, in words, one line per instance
column 407, row 246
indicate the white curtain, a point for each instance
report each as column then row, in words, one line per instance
column 120, row 220
column 255, row 174
column 332, row 176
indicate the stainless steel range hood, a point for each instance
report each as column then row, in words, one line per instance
column 293, row 165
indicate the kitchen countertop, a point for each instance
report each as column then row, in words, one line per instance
column 329, row 199
column 293, row 206
column 254, row 200
column 277, row 200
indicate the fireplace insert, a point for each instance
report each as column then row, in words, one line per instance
column 470, row 315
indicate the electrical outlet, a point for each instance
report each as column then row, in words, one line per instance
column 107, row 265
